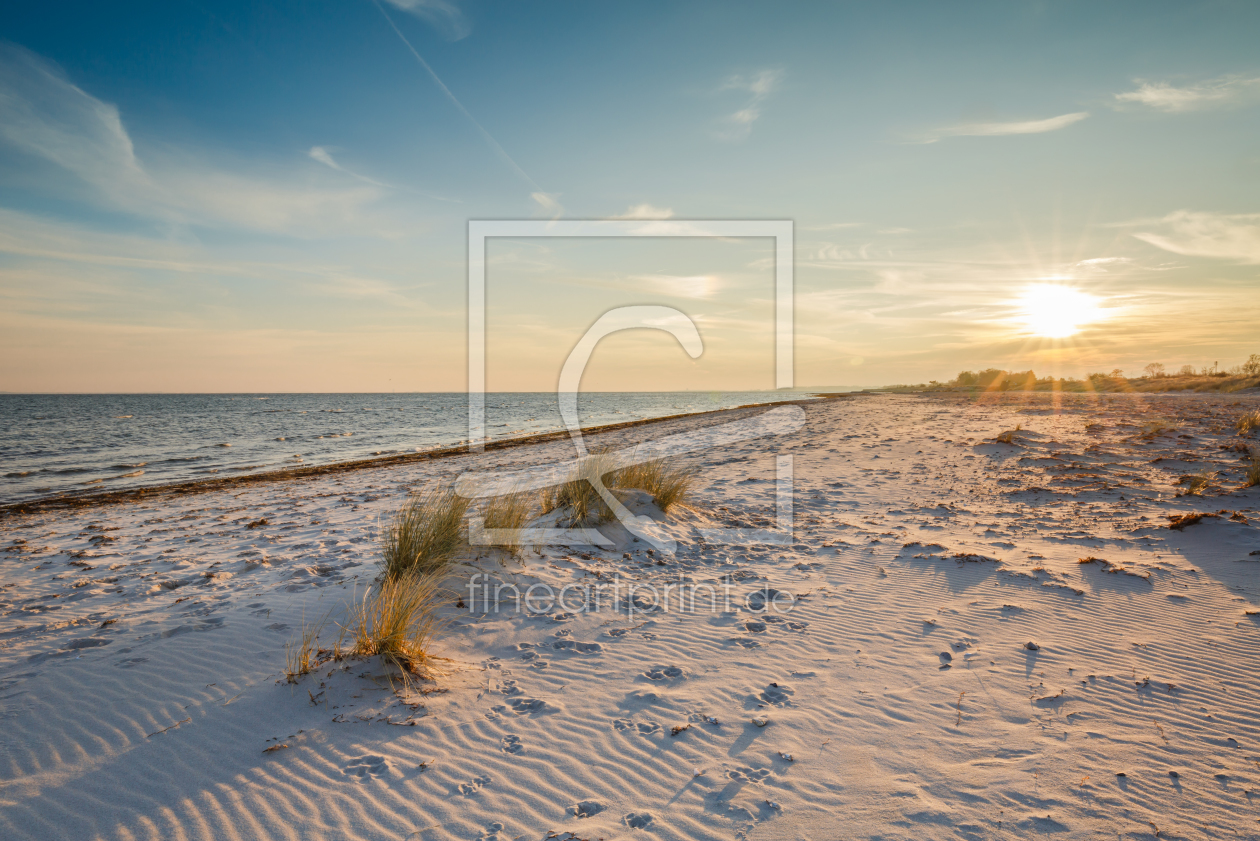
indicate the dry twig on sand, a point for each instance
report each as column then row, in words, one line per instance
column 1009, row 436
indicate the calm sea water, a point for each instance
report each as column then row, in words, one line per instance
column 70, row 444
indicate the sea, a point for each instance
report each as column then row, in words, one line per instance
column 58, row 445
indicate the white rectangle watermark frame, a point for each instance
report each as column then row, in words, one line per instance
column 479, row 230
column 781, row 231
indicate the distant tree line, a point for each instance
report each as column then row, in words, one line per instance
column 997, row 379
column 1250, row 368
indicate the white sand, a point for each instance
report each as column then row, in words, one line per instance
column 915, row 537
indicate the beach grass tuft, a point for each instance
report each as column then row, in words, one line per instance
column 300, row 656
column 425, row 535
column 1252, row 475
column 586, row 508
column 668, row 485
column 1248, row 422
column 1198, row 483
column 510, row 511
column 397, row 620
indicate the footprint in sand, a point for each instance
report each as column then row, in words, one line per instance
column 777, row 694
column 574, row 645
column 509, row 687
column 367, row 766
column 637, row 820
column 622, row 724
column 525, row 706
column 755, row 626
column 648, row 728
column 586, row 808
column 750, row 775
column 758, row 600
column 663, row 673
column 511, row 744
column 746, row 643
column 473, row 786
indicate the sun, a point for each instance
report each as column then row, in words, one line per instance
column 1055, row 311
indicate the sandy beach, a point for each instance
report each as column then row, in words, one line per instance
column 946, row 665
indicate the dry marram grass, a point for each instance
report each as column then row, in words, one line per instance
column 397, row 621
column 510, row 511
column 579, row 494
column 1198, row 483
column 1248, row 422
column 1252, row 475
column 425, row 535
column 300, row 655
column 668, row 486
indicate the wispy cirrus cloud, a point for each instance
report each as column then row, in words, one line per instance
column 1234, row 237
column 758, row 88
column 1005, row 129
column 444, row 16
column 46, row 117
column 1225, row 90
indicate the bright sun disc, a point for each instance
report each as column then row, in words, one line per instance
column 1057, row 312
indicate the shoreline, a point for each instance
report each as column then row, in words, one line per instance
column 64, row 502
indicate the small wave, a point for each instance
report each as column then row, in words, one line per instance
column 68, row 471
column 281, row 438
column 131, row 475
column 123, row 417
column 129, row 466
column 92, row 482
column 179, row 459
column 18, row 475
column 223, row 445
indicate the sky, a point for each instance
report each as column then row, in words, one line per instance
column 238, row 197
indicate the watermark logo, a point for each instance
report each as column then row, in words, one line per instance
column 776, row 421
column 632, row 598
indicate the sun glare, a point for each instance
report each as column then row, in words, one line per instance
column 1055, row 311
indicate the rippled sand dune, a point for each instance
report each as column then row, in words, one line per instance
column 946, row 666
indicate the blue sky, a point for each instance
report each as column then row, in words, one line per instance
column 274, row 196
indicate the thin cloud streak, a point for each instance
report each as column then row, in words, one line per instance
column 1165, row 97
column 442, row 15
column 1234, row 237
column 1007, row 129
column 544, row 198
